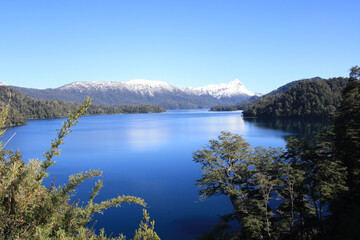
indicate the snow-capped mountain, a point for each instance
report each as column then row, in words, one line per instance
column 140, row 91
column 150, row 87
column 140, row 86
column 233, row 88
column 3, row 84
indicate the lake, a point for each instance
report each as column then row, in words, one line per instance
column 149, row 156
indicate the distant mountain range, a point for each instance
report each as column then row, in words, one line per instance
column 141, row 91
column 23, row 107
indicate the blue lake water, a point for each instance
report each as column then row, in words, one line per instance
column 145, row 155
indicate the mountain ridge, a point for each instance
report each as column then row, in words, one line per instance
column 23, row 107
column 141, row 91
column 230, row 89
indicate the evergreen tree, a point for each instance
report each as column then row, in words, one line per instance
column 347, row 131
column 304, row 178
column 311, row 98
column 346, row 208
column 320, row 178
column 247, row 176
column 30, row 210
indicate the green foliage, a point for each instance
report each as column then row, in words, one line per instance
column 223, row 108
column 221, row 231
column 347, row 130
column 247, row 176
column 239, row 106
column 346, row 208
column 23, row 107
column 305, row 128
column 29, row 210
column 146, row 229
column 306, row 179
column 314, row 98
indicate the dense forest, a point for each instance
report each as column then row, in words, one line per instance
column 301, row 192
column 238, row 106
column 308, row 98
column 304, row 128
column 23, row 107
column 313, row 98
column 223, row 108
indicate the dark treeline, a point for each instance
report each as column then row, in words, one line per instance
column 223, row 108
column 301, row 192
column 23, row 107
column 238, row 106
column 314, row 98
column 304, row 128
column 309, row 98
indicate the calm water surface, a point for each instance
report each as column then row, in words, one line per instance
column 145, row 155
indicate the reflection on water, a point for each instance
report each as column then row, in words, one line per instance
column 303, row 128
column 232, row 124
column 150, row 156
column 143, row 139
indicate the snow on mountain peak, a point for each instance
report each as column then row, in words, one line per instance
column 146, row 82
column 141, row 86
column 149, row 83
column 148, row 87
column 3, row 84
column 151, row 87
column 218, row 91
column 236, row 81
column 94, row 85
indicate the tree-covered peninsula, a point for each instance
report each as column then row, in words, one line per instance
column 236, row 107
column 23, row 107
column 308, row 98
column 301, row 192
column 311, row 98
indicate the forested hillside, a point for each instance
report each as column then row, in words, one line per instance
column 140, row 91
column 238, row 106
column 23, row 107
column 312, row 98
column 305, row 191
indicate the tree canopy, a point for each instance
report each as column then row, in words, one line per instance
column 303, row 192
column 276, row 193
column 314, row 98
column 347, row 149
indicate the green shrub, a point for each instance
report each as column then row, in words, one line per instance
column 30, row 210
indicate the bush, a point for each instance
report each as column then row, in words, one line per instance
column 30, row 210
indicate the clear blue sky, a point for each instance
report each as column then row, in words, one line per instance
column 47, row 44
